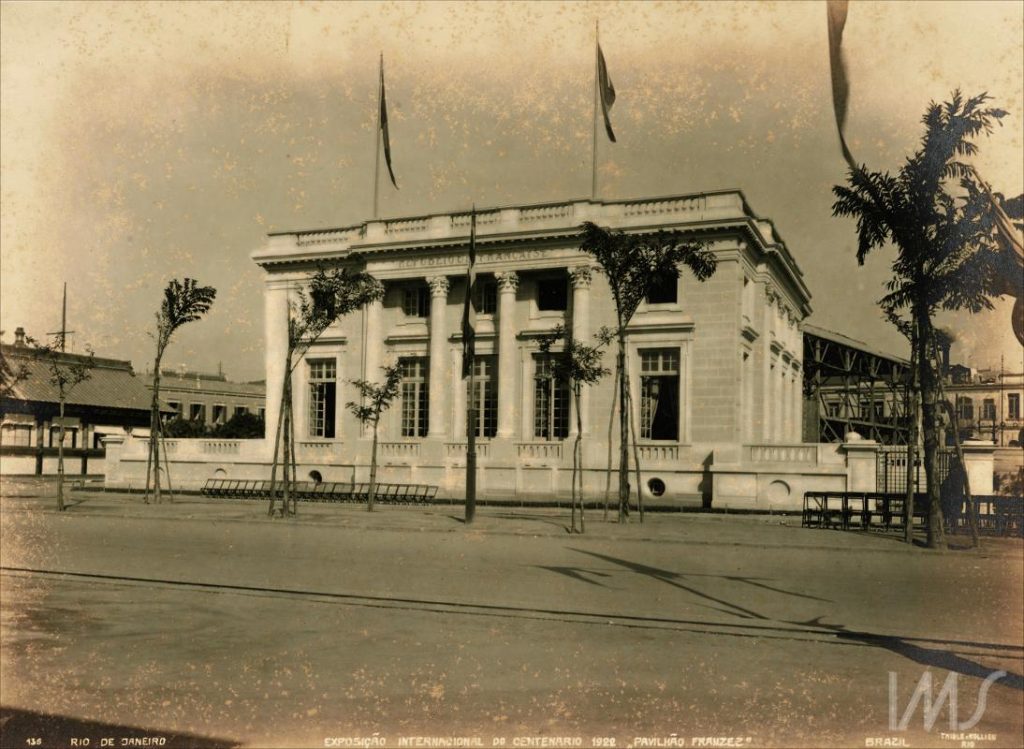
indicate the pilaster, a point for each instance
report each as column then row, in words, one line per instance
column 438, row 333
column 508, row 283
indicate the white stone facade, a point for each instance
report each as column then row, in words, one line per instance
column 732, row 344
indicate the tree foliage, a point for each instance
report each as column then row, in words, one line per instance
column 578, row 365
column 632, row 264
column 331, row 295
column 940, row 219
column 375, row 399
column 183, row 302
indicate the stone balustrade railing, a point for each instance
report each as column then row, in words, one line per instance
column 539, row 450
column 399, row 449
column 724, row 205
column 459, row 449
column 783, row 454
column 658, row 453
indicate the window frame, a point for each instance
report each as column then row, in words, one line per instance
column 662, row 372
column 322, row 425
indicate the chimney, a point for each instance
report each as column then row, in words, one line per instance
column 19, row 336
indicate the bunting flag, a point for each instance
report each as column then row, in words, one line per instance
column 836, row 10
column 606, row 91
column 469, row 308
column 384, row 125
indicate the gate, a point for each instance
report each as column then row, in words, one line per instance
column 891, row 468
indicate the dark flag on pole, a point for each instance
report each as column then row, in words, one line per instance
column 607, row 92
column 469, row 309
column 384, row 125
column 836, row 10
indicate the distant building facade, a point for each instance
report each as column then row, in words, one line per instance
column 989, row 404
column 209, row 399
column 113, row 401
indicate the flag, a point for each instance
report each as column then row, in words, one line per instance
column 468, row 308
column 836, row 10
column 384, row 125
column 606, row 90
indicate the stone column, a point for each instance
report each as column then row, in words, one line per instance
column 581, row 277
column 507, row 369
column 373, row 346
column 438, row 361
column 798, row 405
column 275, row 325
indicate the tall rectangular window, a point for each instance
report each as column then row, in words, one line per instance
column 988, row 409
column 486, row 298
column 552, row 294
column 240, row 411
column 485, row 396
column 197, row 412
column 220, row 413
column 1013, row 405
column 323, row 375
column 550, row 401
column 415, row 397
column 965, row 407
column 416, row 301
column 659, row 394
column 664, row 289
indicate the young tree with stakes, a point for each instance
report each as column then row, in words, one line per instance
column 577, row 365
column 632, row 264
column 376, row 398
column 332, row 295
column 66, row 373
column 948, row 254
column 184, row 302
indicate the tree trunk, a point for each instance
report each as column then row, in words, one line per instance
column 286, row 492
column 293, row 508
column 611, row 431
column 577, row 461
column 372, row 491
column 60, row 456
column 908, row 503
column 636, row 461
column 623, row 429
column 278, row 434
column 930, row 426
column 154, row 425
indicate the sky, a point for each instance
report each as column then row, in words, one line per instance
column 141, row 142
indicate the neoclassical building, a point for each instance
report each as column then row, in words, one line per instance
column 715, row 367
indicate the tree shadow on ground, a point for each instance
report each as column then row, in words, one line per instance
column 931, row 657
column 672, row 578
column 18, row 727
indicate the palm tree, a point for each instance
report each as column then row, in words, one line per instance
column 183, row 302
column 947, row 251
column 633, row 264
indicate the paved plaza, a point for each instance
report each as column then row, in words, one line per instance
column 203, row 623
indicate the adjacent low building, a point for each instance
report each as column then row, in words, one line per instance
column 112, row 401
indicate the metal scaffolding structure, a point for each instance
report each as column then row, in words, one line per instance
column 850, row 387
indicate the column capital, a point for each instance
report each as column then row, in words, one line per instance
column 439, row 286
column 508, row 281
column 580, row 276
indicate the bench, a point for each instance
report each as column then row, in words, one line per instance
column 322, row 491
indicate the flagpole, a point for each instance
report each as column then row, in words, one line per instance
column 471, row 417
column 376, row 140
column 593, row 153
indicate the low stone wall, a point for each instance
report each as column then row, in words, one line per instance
column 741, row 477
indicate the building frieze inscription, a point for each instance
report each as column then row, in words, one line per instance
column 461, row 258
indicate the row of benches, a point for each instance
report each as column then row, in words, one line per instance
column 863, row 510
column 322, row 491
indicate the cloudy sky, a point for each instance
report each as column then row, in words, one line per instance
column 145, row 141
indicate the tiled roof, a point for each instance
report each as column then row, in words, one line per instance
column 112, row 383
column 172, row 382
